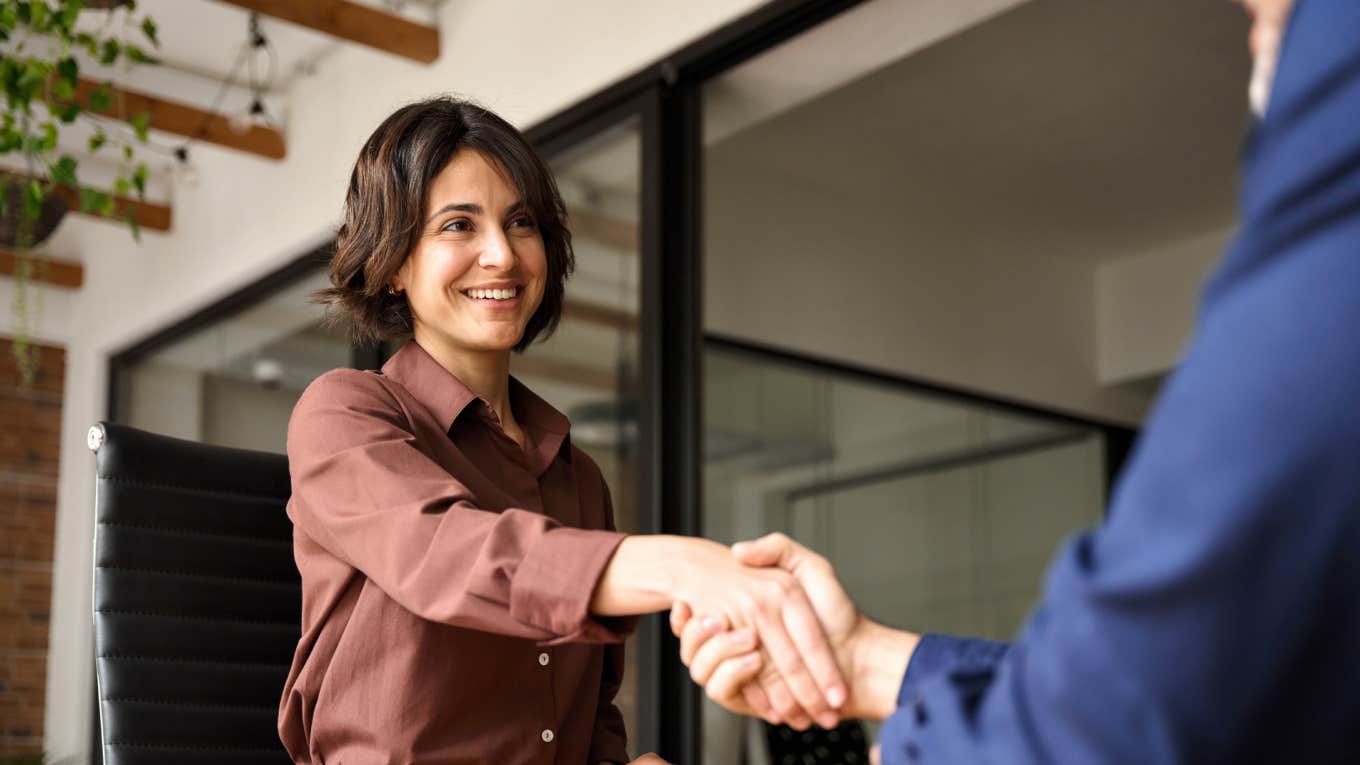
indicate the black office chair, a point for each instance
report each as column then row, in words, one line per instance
column 197, row 600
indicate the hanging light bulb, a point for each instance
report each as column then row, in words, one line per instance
column 185, row 172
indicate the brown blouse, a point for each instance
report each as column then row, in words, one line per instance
column 446, row 575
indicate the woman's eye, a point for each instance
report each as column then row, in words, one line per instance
column 462, row 224
column 523, row 221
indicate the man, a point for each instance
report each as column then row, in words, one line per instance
column 1216, row 616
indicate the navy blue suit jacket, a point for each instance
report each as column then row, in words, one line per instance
column 1215, row 617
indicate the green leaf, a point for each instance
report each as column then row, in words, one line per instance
column 88, row 42
column 127, row 151
column 97, row 141
column 63, row 171
column 96, row 202
column 101, row 98
column 10, row 139
column 33, row 199
column 91, row 200
column 140, row 122
column 70, row 11
column 68, row 112
column 39, row 16
column 68, row 70
column 33, row 76
column 33, row 145
column 134, row 228
column 122, row 187
column 49, row 136
column 108, row 51
column 139, row 180
column 138, row 55
column 149, row 29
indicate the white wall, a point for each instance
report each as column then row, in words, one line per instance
column 839, row 279
column 1147, row 303
column 247, row 216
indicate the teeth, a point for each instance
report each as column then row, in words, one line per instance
column 492, row 294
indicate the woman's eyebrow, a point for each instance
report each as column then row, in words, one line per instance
column 467, row 207
column 473, row 208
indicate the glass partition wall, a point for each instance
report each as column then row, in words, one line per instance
column 939, row 513
column 232, row 379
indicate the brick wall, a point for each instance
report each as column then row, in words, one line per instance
column 30, row 438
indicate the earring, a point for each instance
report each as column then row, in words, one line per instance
column 392, row 290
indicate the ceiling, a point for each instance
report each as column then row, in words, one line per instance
column 203, row 37
column 1083, row 129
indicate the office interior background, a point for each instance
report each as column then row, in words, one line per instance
column 861, row 272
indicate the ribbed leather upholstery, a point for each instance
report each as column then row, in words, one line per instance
column 197, row 600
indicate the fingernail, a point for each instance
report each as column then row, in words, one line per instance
column 836, row 696
column 712, row 624
column 740, row 547
column 827, row 720
column 750, row 659
column 744, row 635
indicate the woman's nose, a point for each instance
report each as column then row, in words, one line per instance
column 498, row 253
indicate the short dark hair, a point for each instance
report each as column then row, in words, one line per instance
column 386, row 204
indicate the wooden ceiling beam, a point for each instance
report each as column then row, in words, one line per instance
column 149, row 215
column 59, row 273
column 354, row 22
column 188, row 121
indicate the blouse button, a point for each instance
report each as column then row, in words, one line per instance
column 547, row 736
column 543, row 659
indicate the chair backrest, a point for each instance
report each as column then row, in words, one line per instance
column 197, row 599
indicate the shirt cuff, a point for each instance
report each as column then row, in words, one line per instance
column 556, row 580
column 935, row 653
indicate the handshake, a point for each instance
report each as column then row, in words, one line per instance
column 765, row 627
column 800, row 651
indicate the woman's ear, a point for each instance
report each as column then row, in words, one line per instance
column 397, row 284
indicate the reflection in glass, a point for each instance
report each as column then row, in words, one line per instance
column 234, row 383
column 938, row 515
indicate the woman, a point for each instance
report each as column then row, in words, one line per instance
column 464, row 592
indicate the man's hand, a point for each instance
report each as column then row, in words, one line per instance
column 647, row 573
column 871, row 656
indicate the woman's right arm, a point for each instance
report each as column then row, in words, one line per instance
column 364, row 490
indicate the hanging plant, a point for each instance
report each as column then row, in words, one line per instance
column 42, row 43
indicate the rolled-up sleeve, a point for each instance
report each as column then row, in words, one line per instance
column 365, row 491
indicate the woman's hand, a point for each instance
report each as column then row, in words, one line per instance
column 873, row 657
column 649, row 573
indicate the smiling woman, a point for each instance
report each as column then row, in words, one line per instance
column 465, row 594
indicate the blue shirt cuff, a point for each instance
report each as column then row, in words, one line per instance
column 935, row 653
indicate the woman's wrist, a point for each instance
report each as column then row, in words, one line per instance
column 646, row 573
